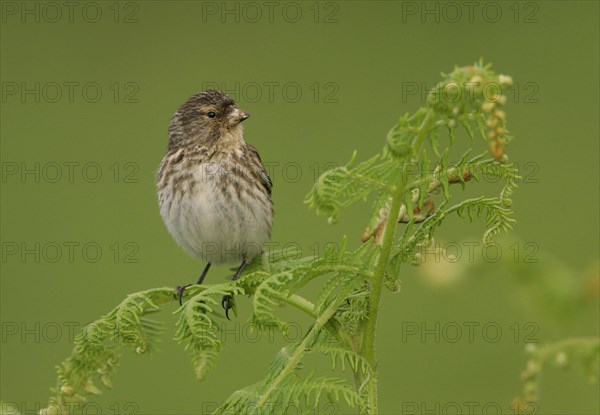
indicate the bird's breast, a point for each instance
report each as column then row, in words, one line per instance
column 214, row 211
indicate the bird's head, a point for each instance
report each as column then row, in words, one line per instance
column 205, row 118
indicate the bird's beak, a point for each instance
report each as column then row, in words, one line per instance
column 239, row 115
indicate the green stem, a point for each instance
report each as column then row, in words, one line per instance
column 368, row 346
column 299, row 302
column 308, row 307
column 299, row 351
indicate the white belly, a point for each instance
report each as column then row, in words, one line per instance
column 213, row 225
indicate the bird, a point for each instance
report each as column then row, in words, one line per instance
column 214, row 193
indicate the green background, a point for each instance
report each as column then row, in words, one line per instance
column 359, row 56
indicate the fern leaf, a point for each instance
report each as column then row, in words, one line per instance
column 197, row 328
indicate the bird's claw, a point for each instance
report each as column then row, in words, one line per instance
column 179, row 291
column 227, row 303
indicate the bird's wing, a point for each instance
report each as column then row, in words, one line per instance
column 264, row 178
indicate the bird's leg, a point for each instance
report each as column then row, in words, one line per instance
column 181, row 288
column 227, row 301
column 201, row 278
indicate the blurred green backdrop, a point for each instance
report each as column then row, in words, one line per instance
column 88, row 90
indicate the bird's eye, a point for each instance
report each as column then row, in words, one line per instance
column 211, row 114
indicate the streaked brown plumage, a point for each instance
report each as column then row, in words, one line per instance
column 213, row 190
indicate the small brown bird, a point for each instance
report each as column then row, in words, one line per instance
column 213, row 190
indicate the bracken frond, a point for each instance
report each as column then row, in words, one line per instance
column 197, row 327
